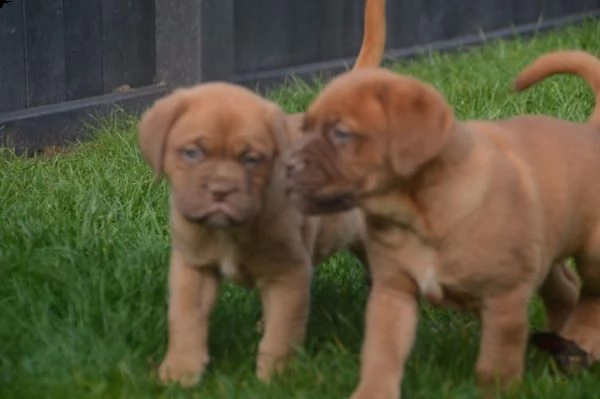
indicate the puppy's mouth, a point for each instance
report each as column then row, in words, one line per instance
column 318, row 188
column 217, row 215
column 313, row 204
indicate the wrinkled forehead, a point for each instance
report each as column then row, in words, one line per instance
column 344, row 108
column 220, row 128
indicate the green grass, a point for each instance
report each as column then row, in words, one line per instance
column 83, row 263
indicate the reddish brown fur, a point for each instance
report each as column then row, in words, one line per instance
column 219, row 146
column 477, row 215
column 559, row 62
column 230, row 219
column 373, row 44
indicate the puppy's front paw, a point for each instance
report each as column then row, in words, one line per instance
column 268, row 366
column 492, row 380
column 183, row 370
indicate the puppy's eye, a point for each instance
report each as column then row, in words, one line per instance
column 340, row 137
column 251, row 160
column 192, row 154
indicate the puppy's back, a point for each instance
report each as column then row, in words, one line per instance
column 563, row 158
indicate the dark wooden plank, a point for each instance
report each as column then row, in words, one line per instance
column 179, row 41
column 331, row 29
column 260, row 37
column 352, row 18
column 419, row 22
column 405, row 23
column 306, row 28
column 275, row 34
column 83, row 48
column 12, row 59
column 341, row 30
column 31, row 130
column 217, row 39
column 45, row 52
column 194, row 41
column 128, row 41
column 474, row 17
column 569, row 6
column 528, row 11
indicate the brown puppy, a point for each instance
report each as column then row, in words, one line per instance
column 218, row 145
column 469, row 215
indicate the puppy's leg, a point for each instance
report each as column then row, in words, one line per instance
column 285, row 302
column 504, row 339
column 583, row 328
column 192, row 297
column 584, row 325
column 559, row 293
column 391, row 322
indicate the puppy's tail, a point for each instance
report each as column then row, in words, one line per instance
column 574, row 62
column 374, row 35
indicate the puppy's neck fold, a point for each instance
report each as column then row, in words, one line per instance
column 455, row 152
column 410, row 203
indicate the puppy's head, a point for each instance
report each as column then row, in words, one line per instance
column 217, row 144
column 367, row 131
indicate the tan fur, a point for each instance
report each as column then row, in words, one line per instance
column 219, row 146
column 477, row 215
column 373, row 44
column 559, row 62
column 230, row 219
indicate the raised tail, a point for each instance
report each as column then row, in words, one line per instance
column 574, row 62
column 374, row 35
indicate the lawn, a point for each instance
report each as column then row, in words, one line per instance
column 84, row 245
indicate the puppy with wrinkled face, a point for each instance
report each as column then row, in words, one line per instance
column 218, row 146
column 475, row 215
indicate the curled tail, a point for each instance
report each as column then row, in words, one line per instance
column 574, row 62
column 374, row 35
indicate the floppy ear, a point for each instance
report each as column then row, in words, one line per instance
column 420, row 123
column 280, row 126
column 154, row 128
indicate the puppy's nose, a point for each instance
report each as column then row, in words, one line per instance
column 220, row 195
column 293, row 166
column 221, row 190
column 289, row 170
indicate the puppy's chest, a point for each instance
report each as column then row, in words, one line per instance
column 224, row 255
column 232, row 269
column 450, row 284
column 465, row 279
column 442, row 279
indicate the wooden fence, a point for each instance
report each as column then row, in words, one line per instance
column 63, row 62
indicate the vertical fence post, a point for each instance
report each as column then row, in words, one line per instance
column 194, row 41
